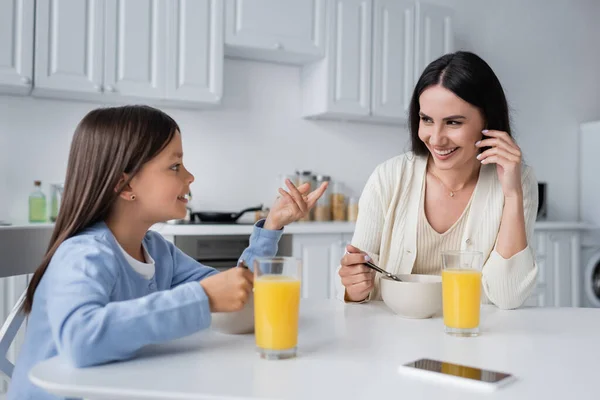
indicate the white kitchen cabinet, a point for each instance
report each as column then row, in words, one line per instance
column 340, row 85
column 558, row 255
column 160, row 52
column 393, row 58
column 16, row 46
column 320, row 254
column 433, row 35
column 195, row 51
column 69, row 48
column 135, row 48
column 370, row 64
column 286, row 31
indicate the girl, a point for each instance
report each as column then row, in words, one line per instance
column 107, row 285
column 463, row 186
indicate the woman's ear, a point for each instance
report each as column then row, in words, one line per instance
column 124, row 189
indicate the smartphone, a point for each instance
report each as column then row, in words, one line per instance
column 468, row 377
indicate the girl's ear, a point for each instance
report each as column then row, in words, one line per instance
column 126, row 191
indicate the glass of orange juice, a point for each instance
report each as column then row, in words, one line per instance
column 276, row 306
column 461, row 291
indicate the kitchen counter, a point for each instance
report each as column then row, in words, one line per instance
column 242, row 229
column 295, row 228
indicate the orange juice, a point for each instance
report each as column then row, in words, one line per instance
column 461, row 291
column 276, row 309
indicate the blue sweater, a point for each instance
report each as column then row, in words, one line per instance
column 91, row 307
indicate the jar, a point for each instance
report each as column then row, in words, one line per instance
column 352, row 209
column 322, row 209
column 303, row 177
column 338, row 202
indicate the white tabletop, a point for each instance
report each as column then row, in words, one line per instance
column 353, row 352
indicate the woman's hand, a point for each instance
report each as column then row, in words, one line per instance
column 505, row 153
column 292, row 206
column 357, row 278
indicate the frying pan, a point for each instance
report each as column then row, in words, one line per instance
column 222, row 217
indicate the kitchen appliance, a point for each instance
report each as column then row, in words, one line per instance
column 542, row 211
column 221, row 217
column 589, row 199
column 223, row 251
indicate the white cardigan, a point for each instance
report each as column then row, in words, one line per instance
column 387, row 227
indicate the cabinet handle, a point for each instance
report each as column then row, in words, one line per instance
column 26, row 80
column 278, row 46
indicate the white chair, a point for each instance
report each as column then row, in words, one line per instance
column 21, row 251
column 7, row 335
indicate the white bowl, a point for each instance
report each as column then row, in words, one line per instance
column 417, row 296
column 236, row 322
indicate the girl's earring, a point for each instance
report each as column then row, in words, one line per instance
column 133, row 197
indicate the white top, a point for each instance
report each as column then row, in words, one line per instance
column 387, row 227
column 430, row 243
column 147, row 269
column 353, row 351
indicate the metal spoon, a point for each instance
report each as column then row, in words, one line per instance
column 381, row 271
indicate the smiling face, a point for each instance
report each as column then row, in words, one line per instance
column 162, row 184
column 449, row 127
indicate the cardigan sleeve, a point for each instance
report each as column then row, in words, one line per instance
column 372, row 207
column 508, row 282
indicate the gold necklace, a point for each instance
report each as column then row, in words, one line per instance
column 452, row 191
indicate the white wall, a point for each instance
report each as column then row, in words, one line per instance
column 236, row 152
column 544, row 52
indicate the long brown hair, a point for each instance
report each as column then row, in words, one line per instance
column 107, row 143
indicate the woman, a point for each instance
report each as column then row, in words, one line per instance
column 463, row 186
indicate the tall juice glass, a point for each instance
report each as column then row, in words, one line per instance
column 277, row 306
column 461, row 292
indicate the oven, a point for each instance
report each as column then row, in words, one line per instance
column 223, row 251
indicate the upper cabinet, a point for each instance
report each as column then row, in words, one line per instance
column 375, row 52
column 360, row 59
column 195, row 51
column 160, row 51
column 16, row 46
column 285, row 31
column 69, row 50
column 433, row 35
column 135, row 55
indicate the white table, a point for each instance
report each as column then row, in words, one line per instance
column 353, row 352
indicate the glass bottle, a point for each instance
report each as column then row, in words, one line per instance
column 352, row 209
column 322, row 207
column 303, row 177
column 37, row 204
column 338, row 202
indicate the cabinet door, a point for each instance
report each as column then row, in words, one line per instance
column 277, row 30
column 69, row 47
column 195, row 51
column 135, row 48
column 16, row 46
column 433, row 35
column 393, row 58
column 317, row 252
column 349, row 56
column 563, row 251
